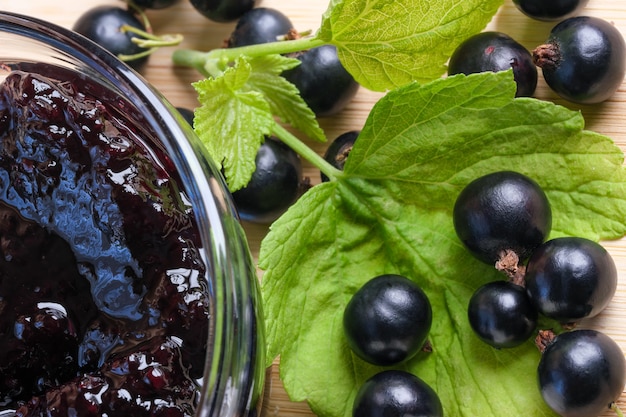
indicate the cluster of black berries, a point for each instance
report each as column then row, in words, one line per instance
column 583, row 59
column 387, row 322
column 322, row 81
column 504, row 219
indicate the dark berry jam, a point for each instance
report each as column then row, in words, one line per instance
column 104, row 306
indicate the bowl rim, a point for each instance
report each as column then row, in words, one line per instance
column 234, row 371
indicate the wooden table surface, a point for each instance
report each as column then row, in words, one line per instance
column 202, row 34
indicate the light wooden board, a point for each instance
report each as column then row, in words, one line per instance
column 200, row 33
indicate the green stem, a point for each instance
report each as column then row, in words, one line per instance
column 278, row 47
column 203, row 61
column 141, row 13
column 305, row 152
column 192, row 59
column 150, row 40
column 617, row 410
column 138, row 55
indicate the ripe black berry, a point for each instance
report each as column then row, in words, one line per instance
column 338, row 151
column 259, row 25
column 495, row 51
column 550, row 10
column 387, row 320
column 274, row 186
column 570, row 278
column 396, row 394
column 581, row 373
column 502, row 315
column 102, row 25
column 500, row 213
column 323, row 82
column 223, row 10
column 583, row 60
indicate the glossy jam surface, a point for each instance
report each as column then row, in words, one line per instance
column 104, row 307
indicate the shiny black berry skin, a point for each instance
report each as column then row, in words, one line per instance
column 387, row 320
column 496, row 51
column 583, row 60
column 502, row 211
column 223, row 10
column 338, row 151
column 154, row 4
column 259, row 25
column 102, row 25
column 550, row 10
column 323, row 82
column 274, row 186
column 570, row 278
column 581, row 373
column 396, row 393
column 501, row 314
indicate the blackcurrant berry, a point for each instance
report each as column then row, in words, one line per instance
column 223, row 10
column 338, row 151
column 259, row 25
column 502, row 212
column 569, row 278
column 583, row 60
column 274, row 186
column 502, row 315
column 102, row 25
column 395, row 393
column 581, row 373
column 323, row 82
column 550, row 10
column 495, row 51
column 387, row 320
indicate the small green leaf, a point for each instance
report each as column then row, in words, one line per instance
column 391, row 212
column 389, row 43
column 283, row 97
column 232, row 122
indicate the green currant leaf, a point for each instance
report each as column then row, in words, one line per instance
column 389, row 43
column 232, row 122
column 391, row 212
column 283, row 97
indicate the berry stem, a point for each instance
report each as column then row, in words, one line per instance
column 306, row 152
column 617, row 410
column 544, row 339
column 510, row 266
column 149, row 41
column 547, row 56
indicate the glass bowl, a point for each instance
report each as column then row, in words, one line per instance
column 234, row 366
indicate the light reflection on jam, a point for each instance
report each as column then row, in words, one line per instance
column 103, row 305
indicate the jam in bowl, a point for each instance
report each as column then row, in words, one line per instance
column 126, row 284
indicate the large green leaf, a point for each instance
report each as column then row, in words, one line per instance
column 389, row 43
column 391, row 213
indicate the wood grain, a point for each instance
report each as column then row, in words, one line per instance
column 608, row 118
